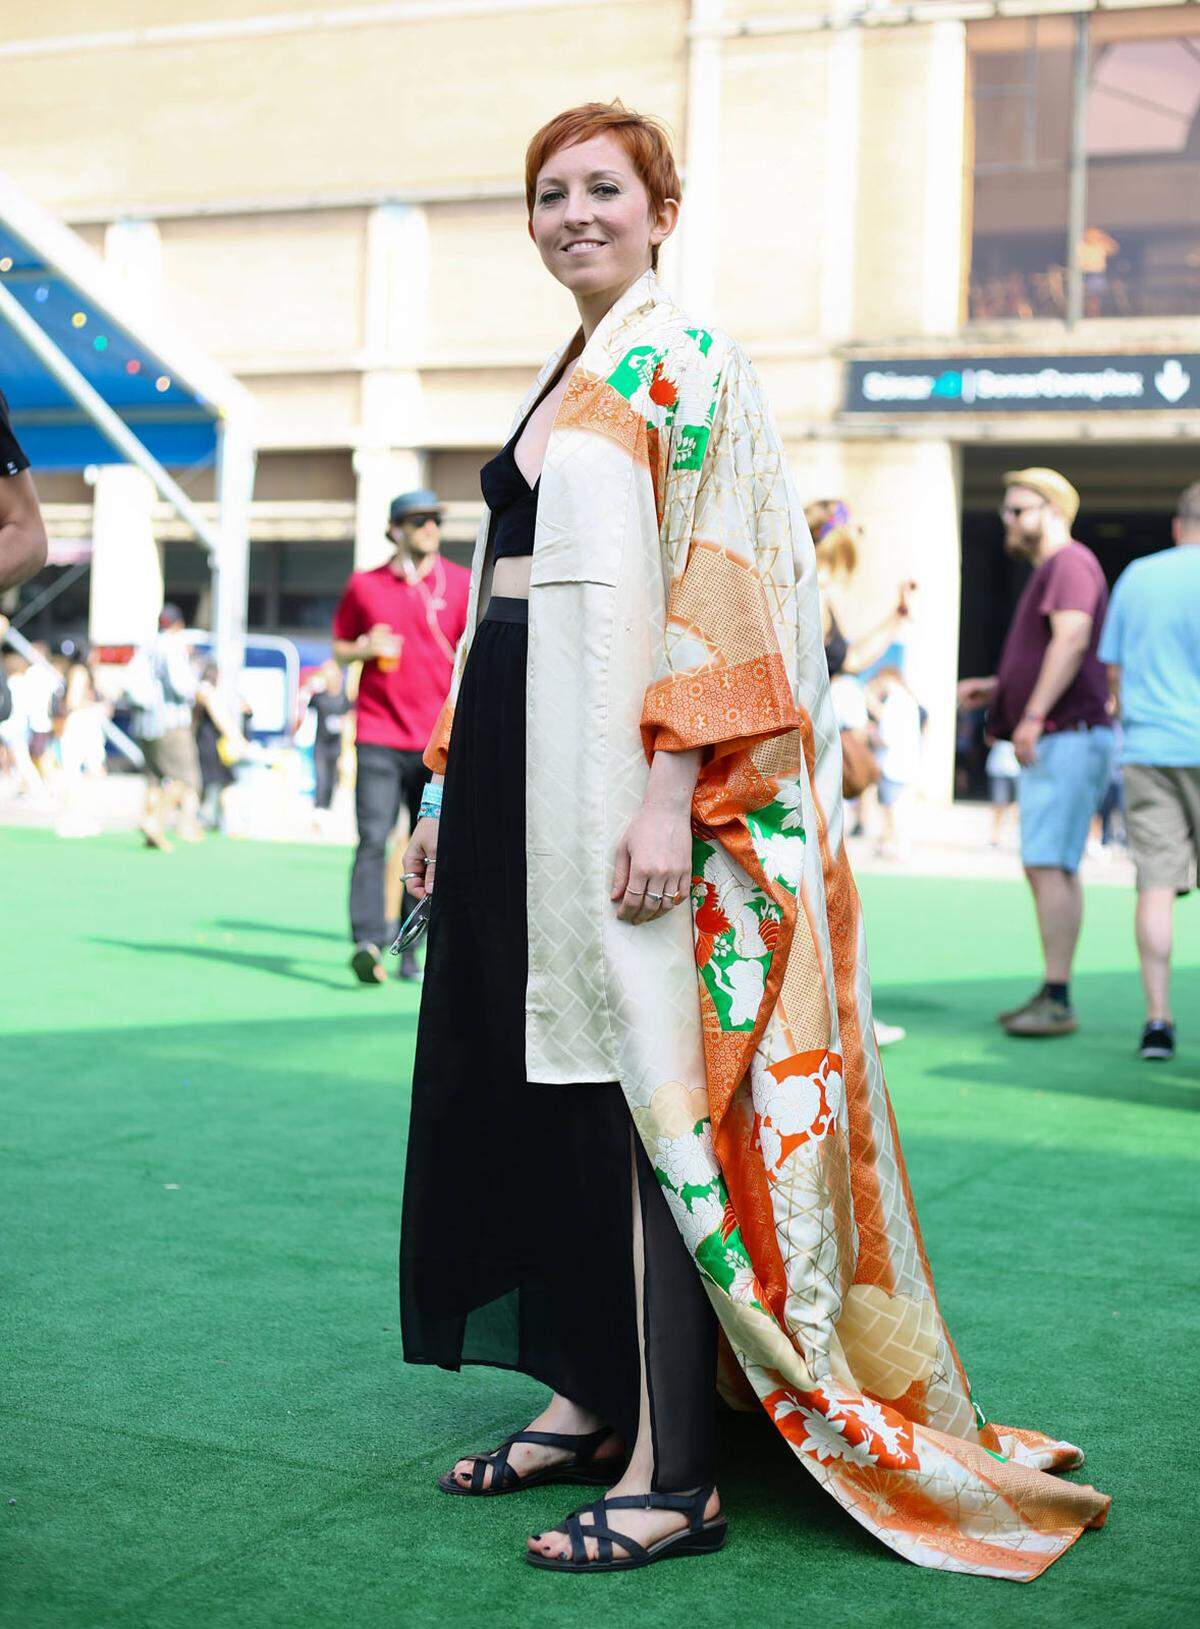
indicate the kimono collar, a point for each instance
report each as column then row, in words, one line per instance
column 639, row 297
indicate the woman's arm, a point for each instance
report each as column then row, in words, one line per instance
column 420, row 857
column 867, row 648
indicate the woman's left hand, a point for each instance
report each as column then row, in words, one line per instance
column 653, row 872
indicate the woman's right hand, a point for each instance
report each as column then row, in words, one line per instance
column 420, row 857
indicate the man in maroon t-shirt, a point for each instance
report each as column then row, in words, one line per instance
column 1050, row 699
column 402, row 621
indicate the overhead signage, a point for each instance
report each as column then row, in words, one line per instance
column 1023, row 384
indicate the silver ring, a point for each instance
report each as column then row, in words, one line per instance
column 650, row 894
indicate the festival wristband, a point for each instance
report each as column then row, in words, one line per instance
column 431, row 803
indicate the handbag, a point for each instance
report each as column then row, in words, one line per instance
column 860, row 768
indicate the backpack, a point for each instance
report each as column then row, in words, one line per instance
column 141, row 689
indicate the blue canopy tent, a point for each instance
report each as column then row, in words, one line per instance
column 91, row 380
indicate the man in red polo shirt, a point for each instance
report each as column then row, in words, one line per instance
column 402, row 621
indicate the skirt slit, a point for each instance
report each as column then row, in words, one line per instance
column 516, row 1243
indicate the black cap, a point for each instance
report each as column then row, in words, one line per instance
column 424, row 501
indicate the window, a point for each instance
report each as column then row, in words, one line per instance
column 1021, row 94
column 1140, row 253
column 1125, row 242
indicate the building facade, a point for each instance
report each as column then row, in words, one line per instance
column 954, row 236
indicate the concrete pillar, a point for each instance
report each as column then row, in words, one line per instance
column 910, row 198
column 907, row 497
column 837, row 242
column 127, row 578
column 689, row 261
column 389, row 458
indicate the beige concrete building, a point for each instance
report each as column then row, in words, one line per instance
column 938, row 227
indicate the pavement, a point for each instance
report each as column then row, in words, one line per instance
column 946, row 840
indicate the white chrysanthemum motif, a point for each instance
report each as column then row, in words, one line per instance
column 696, row 384
column 770, row 1145
column 782, row 856
column 748, row 939
column 697, row 1221
column 687, row 1161
column 746, row 982
column 792, row 798
column 744, row 1286
column 792, row 1105
column 824, row 1439
column 875, row 1419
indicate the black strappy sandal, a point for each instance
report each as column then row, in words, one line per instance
column 585, row 1468
column 697, row 1538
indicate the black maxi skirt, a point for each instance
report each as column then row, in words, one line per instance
column 517, row 1239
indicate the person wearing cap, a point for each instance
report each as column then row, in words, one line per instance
column 1151, row 643
column 22, row 534
column 1050, row 699
column 402, row 621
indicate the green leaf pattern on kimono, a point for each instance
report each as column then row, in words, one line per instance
column 735, row 971
column 697, row 1196
column 777, row 832
column 664, row 384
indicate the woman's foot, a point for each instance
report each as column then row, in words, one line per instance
column 561, row 1417
column 646, row 1527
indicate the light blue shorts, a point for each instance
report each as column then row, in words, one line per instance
column 1061, row 793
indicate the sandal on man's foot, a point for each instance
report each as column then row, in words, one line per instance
column 699, row 1537
column 584, row 1467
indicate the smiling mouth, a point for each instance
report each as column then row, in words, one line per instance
column 582, row 243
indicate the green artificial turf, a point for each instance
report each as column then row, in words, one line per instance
column 205, row 1418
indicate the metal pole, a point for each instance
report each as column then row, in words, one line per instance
column 1077, row 177
column 231, row 573
column 119, row 739
column 110, row 424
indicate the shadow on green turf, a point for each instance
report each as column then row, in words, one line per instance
column 287, row 967
column 1098, row 1061
column 240, row 924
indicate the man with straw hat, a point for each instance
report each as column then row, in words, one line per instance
column 1050, row 699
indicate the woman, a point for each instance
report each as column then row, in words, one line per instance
column 641, row 1046
column 835, row 540
column 326, row 699
column 220, row 743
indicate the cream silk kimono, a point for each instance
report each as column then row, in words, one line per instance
column 673, row 605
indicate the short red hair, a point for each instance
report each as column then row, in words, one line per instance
column 646, row 142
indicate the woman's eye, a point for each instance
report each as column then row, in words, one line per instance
column 549, row 197
column 607, row 189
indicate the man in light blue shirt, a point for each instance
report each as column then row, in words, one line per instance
column 1151, row 643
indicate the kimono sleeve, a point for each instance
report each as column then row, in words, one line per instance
column 722, row 683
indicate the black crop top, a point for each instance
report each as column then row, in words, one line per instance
column 512, row 501
column 509, row 496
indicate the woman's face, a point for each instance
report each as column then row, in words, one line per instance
column 591, row 218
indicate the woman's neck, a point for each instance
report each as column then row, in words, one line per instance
column 593, row 308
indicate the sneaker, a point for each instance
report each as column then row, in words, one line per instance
column 1015, row 1012
column 1158, row 1041
column 368, row 964
column 1043, row 1016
